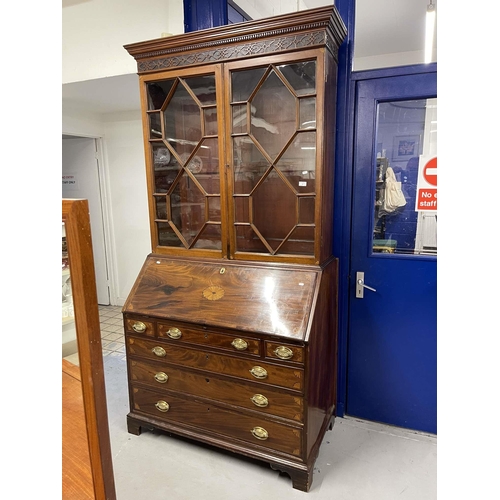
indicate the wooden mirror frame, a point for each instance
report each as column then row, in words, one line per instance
column 75, row 215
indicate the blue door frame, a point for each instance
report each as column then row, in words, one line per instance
column 202, row 14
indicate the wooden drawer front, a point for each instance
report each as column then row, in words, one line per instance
column 232, row 343
column 262, row 399
column 139, row 326
column 218, row 420
column 284, row 352
column 282, row 376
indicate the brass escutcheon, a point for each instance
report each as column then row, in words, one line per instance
column 259, row 400
column 283, row 352
column 139, row 327
column 159, row 351
column 222, row 270
column 258, row 372
column 239, row 344
column 162, row 406
column 260, row 433
column 161, row 377
column 174, row 333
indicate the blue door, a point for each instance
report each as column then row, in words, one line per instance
column 391, row 364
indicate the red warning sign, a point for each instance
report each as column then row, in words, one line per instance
column 427, row 184
column 430, row 172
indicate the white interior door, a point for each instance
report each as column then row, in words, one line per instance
column 80, row 179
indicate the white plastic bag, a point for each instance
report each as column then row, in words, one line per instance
column 393, row 195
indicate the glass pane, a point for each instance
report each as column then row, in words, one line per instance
column 239, row 119
column 165, row 167
column 249, row 165
column 301, row 242
column 188, row 208
column 241, row 209
column 244, row 83
column 214, row 208
column 157, row 93
column 298, row 163
column 167, row 236
column 274, row 112
column 161, row 207
column 248, row 241
column 204, row 165
column 274, row 207
column 307, row 113
column 154, row 126
column 210, row 117
column 210, row 238
column 182, row 119
column 203, row 88
column 301, row 76
column 306, row 210
column 405, row 201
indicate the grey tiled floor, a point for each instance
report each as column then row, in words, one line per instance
column 113, row 341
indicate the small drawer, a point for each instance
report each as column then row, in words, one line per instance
column 255, row 430
column 249, row 369
column 140, row 326
column 209, row 338
column 262, row 399
column 284, row 352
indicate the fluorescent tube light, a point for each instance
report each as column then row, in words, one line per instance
column 430, row 21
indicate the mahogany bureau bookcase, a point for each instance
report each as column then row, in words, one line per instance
column 231, row 325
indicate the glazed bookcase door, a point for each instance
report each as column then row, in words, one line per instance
column 184, row 157
column 274, row 153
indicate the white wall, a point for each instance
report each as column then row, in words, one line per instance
column 131, row 241
column 95, row 31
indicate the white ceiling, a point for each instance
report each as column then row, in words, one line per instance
column 382, row 27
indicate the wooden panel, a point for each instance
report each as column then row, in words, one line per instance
column 133, row 325
column 253, row 298
column 281, row 351
column 292, row 378
column 210, row 339
column 234, row 393
column 77, row 482
column 221, row 421
column 75, row 215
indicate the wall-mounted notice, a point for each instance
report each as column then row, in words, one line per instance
column 70, row 182
column 427, row 184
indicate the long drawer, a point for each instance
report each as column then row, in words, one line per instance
column 249, row 369
column 263, row 399
column 251, row 429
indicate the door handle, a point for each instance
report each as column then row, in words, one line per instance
column 360, row 285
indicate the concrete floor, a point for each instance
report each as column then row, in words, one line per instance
column 358, row 460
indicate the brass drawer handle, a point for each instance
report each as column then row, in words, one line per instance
column 239, row 344
column 258, row 372
column 159, row 351
column 139, row 327
column 174, row 333
column 162, row 406
column 283, row 352
column 259, row 400
column 161, row 377
column 260, row 433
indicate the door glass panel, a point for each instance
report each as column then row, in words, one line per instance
column 274, row 120
column 298, row 163
column 184, row 153
column 274, row 158
column 405, row 201
column 157, row 93
column 301, row 76
column 203, row 88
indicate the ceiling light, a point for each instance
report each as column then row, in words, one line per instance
column 430, row 21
